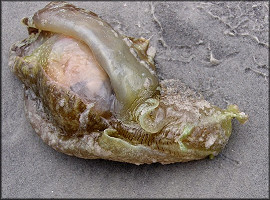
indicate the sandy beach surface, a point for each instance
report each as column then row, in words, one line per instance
column 218, row 48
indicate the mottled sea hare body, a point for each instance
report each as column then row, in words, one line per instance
column 92, row 93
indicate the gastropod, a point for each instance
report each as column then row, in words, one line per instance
column 93, row 93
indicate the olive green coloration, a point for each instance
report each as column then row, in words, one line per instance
column 147, row 121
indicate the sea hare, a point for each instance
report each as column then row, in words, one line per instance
column 93, row 93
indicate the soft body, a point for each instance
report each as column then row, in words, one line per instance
column 92, row 93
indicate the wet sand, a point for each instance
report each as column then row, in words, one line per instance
column 220, row 49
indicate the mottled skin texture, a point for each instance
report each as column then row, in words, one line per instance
column 157, row 121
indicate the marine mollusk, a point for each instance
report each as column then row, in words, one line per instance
column 93, row 93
